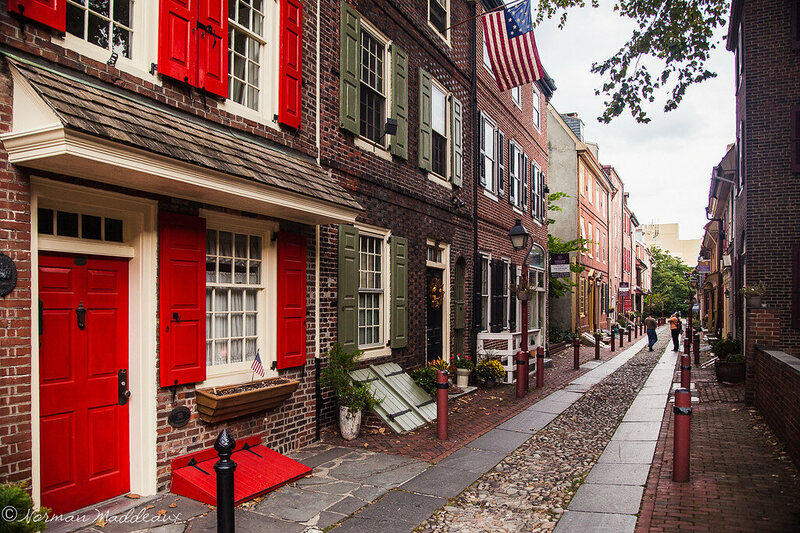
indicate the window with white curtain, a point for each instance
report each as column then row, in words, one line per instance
column 235, row 280
column 439, row 130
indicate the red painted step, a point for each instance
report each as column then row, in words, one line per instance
column 258, row 471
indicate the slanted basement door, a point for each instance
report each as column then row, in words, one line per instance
column 258, row 470
column 404, row 405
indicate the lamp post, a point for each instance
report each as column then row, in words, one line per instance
column 519, row 241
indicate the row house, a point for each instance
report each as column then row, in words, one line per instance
column 512, row 186
column 644, row 271
column 189, row 187
column 586, row 214
column 615, row 240
column 716, row 292
column 764, row 36
column 626, row 289
column 163, row 206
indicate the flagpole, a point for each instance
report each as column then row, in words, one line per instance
column 495, row 10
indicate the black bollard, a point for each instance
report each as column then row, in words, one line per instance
column 225, row 468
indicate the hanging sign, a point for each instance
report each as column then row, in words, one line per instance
column 559, row 265
column 624, row 286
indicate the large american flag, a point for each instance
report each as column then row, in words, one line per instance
column 256, row 366
column 508, row 35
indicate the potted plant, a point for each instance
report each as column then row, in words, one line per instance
column 523, row 289
column 352, row 396
column 490, row 370
column 464, row 365
column 216, row 404
column 730, row 365
column 753, row 294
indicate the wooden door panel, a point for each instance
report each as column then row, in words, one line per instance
column 84, row 430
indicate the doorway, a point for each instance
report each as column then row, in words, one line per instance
column 434, row 281
column 83, row 365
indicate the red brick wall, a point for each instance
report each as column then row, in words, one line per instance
column 397, row 195
column 15, row 314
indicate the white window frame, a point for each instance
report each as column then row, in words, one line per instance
column 269, row 66
column 446, row 35
column 486, row 261
column 381, row 148
column 536, row 113
column 382, row 349
column 443, row 179
column 144, row 48
column 487, row 62
column 492, row 181
column 266, row 318
column 507, row 292
column 514, row 178
column 516, row 96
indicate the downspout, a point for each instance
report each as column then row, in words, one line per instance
column 317, row 388
column 476, row 148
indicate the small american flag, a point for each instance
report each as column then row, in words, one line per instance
column 256, row 366
column 512, row 49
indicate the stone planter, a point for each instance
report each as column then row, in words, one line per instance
column 223, row 403
column 349, row 423
column 462, row 377
column 754, row 301
column 729, row 372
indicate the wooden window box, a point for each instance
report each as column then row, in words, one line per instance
column 223, row 403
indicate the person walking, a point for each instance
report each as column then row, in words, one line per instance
column 675, row 327
column 650, row 324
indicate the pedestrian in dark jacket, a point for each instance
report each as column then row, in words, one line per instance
column 675, row 327
column 651, row 325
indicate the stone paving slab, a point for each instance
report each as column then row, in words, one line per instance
column 643, row 415
column 473, row 460
column 632, row 431
column 649, row 402
column 528, row 422
column 295, row 504
column 620, row 451
column 401, row 506
column 615, row 499
column 356, row 524
column 382, row 470
column 499, row 440
column 246, row 522
column 619, row 474
column 445, row 482
column 583, row 522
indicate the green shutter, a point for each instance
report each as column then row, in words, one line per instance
column 348, row 288
column 425, row 143
column 457, row 151
column 350, row 24
column 458, row 296
column 399, row 319
column 400, row 101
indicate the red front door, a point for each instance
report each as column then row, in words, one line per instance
column 84, row 430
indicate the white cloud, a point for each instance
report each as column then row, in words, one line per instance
column 665, row 164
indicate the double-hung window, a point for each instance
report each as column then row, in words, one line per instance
column 247, row 39
column 440, row 146
column 439, row 129
column 538, row 196
column 105, row 23
column 484, row 293
column 373, row 85
column 439, row 16
column 371, row 288
column 516, row 96
column 236, row 284
column 537, row 113
column 488, row 176
column 505, row 289
column 514, row 177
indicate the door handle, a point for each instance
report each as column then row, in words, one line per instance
column 80, row 314
column 122, row 386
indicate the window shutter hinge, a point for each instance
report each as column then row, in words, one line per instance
column 274, row 365
column 389, row 239
column 153, row 68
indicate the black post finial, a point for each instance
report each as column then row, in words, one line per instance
column 225, row 469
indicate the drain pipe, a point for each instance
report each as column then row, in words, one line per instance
column 476, row 150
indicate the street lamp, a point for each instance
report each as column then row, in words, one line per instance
column 519, row 241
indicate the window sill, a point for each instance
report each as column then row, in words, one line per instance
column 445, row 38
column 239, row 110
column 232, row 374
column 372, row 147
column 374, row 353
column 517, row 210
column 101, row 55
column 489, row 194
column 436, row 178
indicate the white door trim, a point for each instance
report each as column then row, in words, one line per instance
column 140, row 235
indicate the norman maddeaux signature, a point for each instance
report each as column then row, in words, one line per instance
column 132, row 516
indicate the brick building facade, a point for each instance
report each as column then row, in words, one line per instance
column 764, row 35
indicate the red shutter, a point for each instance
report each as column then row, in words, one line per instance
column 291, row 300
column 796, row 286
column 291, row 63
column 177, row 40
column 212, row 57
column 182, row 298
column 52, row 13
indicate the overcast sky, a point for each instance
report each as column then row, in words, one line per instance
column 666, row 164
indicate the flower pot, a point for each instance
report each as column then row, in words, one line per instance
column 754, row 300
column 523, row 296
column 349, row 423
column 729, row 372
column 223, row 403
column 462, row 377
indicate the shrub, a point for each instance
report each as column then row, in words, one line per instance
column 425, row 377
column 463, row 361
column 735, row 358
column 358, row 398
column 15, row 500
column 336, row 375
column 439, row 364
column 723, row 348
column 490, row 369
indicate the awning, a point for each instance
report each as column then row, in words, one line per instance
column 68, row 123
column 711, row 281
